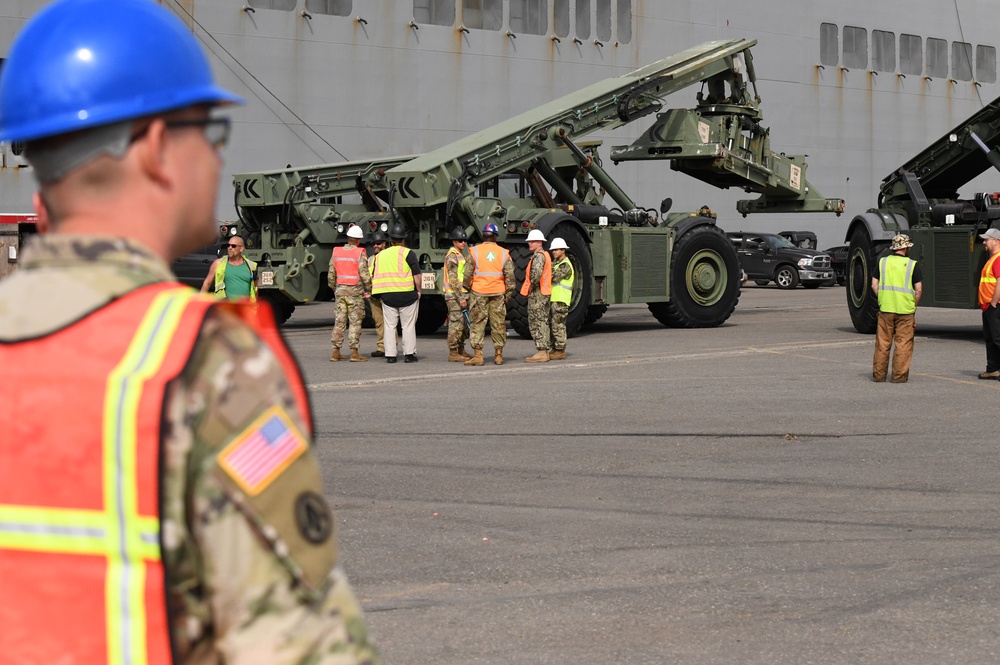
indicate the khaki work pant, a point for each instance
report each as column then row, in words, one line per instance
column 893, row 329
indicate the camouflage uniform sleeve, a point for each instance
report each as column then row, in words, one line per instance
column 470, row 272
column 331, row 275
column 451, row 266
column 249, row 580
column 508, row 277
column 365, row 273
column 560, row 271
column 537, row 268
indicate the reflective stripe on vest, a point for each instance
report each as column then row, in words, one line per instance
column 80, row 493
column 220, row 278
column 987, row 282
column 562, row 291
column 392, row 272
column 488, row 279
column 345, row 260
column 895, row 285
column 544, row 283
column 461, row 269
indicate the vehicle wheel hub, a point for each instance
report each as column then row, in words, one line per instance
column 706, row 277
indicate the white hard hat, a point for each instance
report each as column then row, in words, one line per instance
column 355, row 232
column 536, row 235
column 558, row 243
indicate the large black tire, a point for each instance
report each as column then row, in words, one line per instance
column 583, row 276
column 594, row 314
column 861, row 302
column 281, row 306
column 786, row 277
column 432, row 314
column 704, row 280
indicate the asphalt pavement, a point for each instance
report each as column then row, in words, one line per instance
column 742, row 494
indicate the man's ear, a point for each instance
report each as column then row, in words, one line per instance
column 41, row 212
column 151, row 153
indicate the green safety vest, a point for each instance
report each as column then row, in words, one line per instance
column 563, row 291
column 392, row 273
column 220, row 279
column 895, row 285
column 448, row 287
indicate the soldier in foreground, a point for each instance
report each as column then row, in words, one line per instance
column 350, row 278
column 562, row 295
column 537, row 288
column 456, row 296
column 489, row 274
column 173, row 512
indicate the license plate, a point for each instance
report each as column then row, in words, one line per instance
column 428, row 280
column 266, row 277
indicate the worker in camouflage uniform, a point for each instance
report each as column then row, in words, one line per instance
column 456, row 296
column 173, row 512
column 489, row 275
column 379, row 242
column 562, row 294
column 351, row 280
column 537, row 288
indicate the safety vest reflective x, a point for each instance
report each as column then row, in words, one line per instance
column 220, row 278
column 545, row 283
column 83, row 577
column 392, row 273
column 488, row 278
column 345, row 261
column 562, row 291
column 987, row 282
column 895, row 285
column 448, row 288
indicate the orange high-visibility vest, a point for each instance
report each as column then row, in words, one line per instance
column 987, row 282
column 488, row 278
column 80, row 490
column 545, row 283
column 345, row 260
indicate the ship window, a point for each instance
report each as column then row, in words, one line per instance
column 829, row 44
column 560, row 18
column 604, row 20
column 435, row 12
column 883, row 51
column 986, row 64
column 911, row 56
column 283, row 5
column 937, row 57
column 624, row 21
column 334, row 7
column 528, row 16
column 482, row 14
column 961, row 61
column 855, row 47
column 583, row 19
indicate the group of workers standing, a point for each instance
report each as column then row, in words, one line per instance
column 478, row 284
column 897, row 282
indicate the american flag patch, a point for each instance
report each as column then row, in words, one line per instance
column 263, row 451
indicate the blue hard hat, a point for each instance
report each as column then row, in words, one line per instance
column 491, row 228
column 79, row 64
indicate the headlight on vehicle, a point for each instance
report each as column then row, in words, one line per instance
column 805, row 263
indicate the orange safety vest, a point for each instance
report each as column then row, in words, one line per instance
column 545, row 283
column 83, row 578
column 987, row 282
column 488, row 278
column 345, row 260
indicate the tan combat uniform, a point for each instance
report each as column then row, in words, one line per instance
column 246, row 583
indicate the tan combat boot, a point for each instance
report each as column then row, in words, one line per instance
column 476, row 359
column 335, row 356
column 557, row 355
column 462, row 352
column 455, row 356
column 498, row 357
column 541, row 356
column 357, row 357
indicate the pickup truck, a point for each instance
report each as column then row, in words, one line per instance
column 767, row 256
